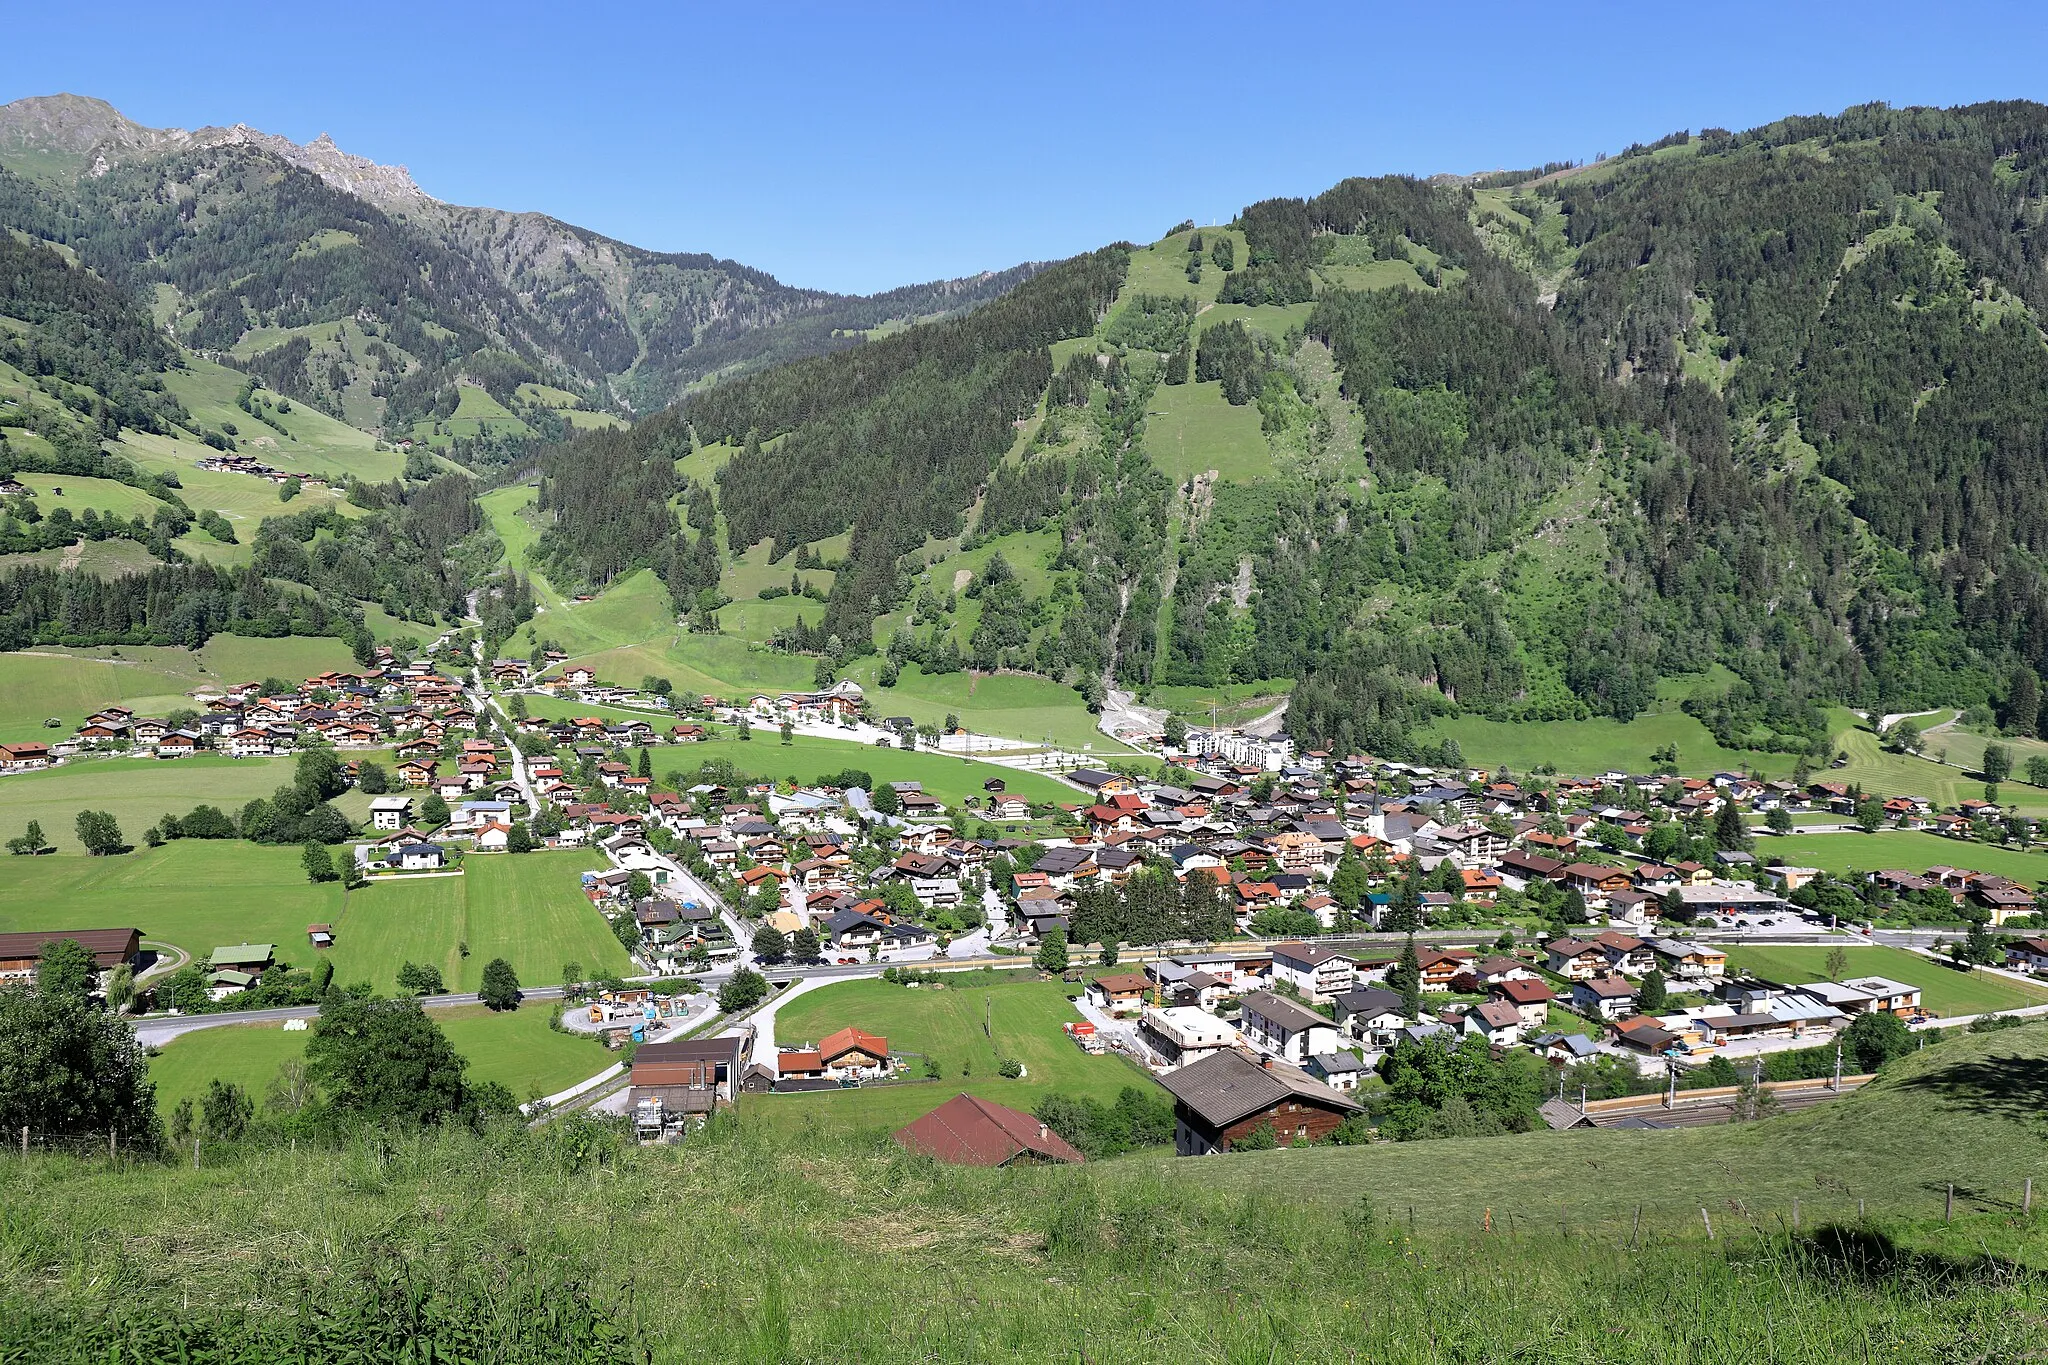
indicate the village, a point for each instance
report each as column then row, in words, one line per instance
column 1264, row 922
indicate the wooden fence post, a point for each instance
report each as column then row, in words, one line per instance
column 1948, row 1212
column 195, row 1151
column 2027, row 1199
column 1708, row 1221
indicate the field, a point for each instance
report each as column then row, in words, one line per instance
column 136, row 791
column 1947, row 1114
column 943, row 1023
column 527, row 908
column 1011, row 705
column 201, row 894
column 1943, row 989
column 102, row 495
column 1891, row 774
column 1910, row 850
column 1234, row 703
column 1591, row 747
column 516, row 1049
column 507, row 509
column 950, row 778
column 71, row 684
column 1191, row 430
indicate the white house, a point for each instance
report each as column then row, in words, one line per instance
column 1275, row 1024
column 390, row 812
column 422, row 857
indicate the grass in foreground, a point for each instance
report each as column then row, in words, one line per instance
column 1943, row 989
column 1253, row 1259
column 945, row 1024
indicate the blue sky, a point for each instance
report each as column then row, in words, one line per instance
column 859, row 146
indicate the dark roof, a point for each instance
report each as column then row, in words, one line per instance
column 1226, row 1086
column 1284, row 1012
column 109, row 947
column 1371, row 1000
column 969, row 1131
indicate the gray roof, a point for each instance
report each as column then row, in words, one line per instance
column 1370, row 1001
column 1280, row 1010
column 1226, row 1086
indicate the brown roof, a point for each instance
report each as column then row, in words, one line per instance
column 1124, row 982
column 799, row 1063
column 969, row 1131
column 1525, row 992
column 848, row 1040
column 109, row 947
column 1228, row 1085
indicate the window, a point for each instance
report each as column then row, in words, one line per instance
column 1301, row 1130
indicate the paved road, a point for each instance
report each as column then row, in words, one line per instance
column 482, row 697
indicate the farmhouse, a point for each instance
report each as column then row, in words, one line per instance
column 110, row 948
column 1226, row 1097
column 850, row 1053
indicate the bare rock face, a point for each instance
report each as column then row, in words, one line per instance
column 91, row 136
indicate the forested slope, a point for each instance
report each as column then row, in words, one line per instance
column 1526, row 445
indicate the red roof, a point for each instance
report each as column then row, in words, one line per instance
column 848, row 1039
column 968, row 1131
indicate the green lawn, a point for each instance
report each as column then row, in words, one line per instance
column 1943, row 989
column 1953, row 1113
column 1591, row 747
column 1911, row 850
column 102, row 495
column 527, row 908
column 510, row 513
column 136, row 791
column 516, row 1049
column 1890, row 774
column 1191, row 430
column 1010, row 705
column 71, row 684
column 944, row 1023
column 949, row 777
column 200, row 894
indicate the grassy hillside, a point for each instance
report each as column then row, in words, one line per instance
column 1286, row 1256
column 1943, row 989
column 1851, row 851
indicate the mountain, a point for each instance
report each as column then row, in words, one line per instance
column 392, row 301
column 1759, row 416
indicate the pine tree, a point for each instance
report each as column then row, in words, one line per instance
column 1409, row 970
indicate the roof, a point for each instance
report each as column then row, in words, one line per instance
column 1525, row 992
column 851, row 1039
column 1498, row 1014
column 107, row 946
column 1123, row 981
column 241, row 954
column 1307, row 954
column 1371, row 1001
column 1227, row 1086
column 969, row 1131
column 1284, row 1012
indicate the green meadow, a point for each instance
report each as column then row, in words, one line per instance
column 1943, row 989
column 1851, row 851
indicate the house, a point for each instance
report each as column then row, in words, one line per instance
column 1320, row 973
column 1575, row 959
column 421, row 857
column 1226, row 1097
column 1440, row 967
column 1625, row 954
column 2027, row 955
column 390, row 812
column 1273, row 1023
column 1370, row 1013
column 1605, row 997
column 1183, row 1034
column 1595, row 883
column 969, row 1131
column 1120, row 993
column 110, row 948
column 1529, row 998
column 1497, row 1021
column 1683, row 960
column 23, row 758
column 688, row 1076
column 320, row 935
column 850, row 1053
column 1341, row 1071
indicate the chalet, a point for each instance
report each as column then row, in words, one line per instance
column 1275, row 1024
column 2003, row 901
column 1575, row 959
column 416, row 772
column 1009, row 806
column 1529, row 998
column 1606, row 997
column 1370, row 1013
column 1683, row 960
column 390, row 812
column 110, row 948
column 24, row 757
column 2027, row 955
column 1497, row 1021
column 1318, row 972
column 1625, row 954
column 969, row 1131
column 851, row 1054
column 1228, row 1096
column 1441, row 967
column 1102, row 784
column 1594, row 882
column 1119, row 993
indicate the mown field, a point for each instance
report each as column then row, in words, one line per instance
column 70, row 684
column 1591, row 747
column 1943, row 989
column 946, row 776
column 201, row 894
column 139, row 791
column 516, row 1049
column 945, row 1023
column 1882, row 773
column 1010, row 705
column 1851, row 851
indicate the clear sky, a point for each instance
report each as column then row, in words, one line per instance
column 856, row 146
